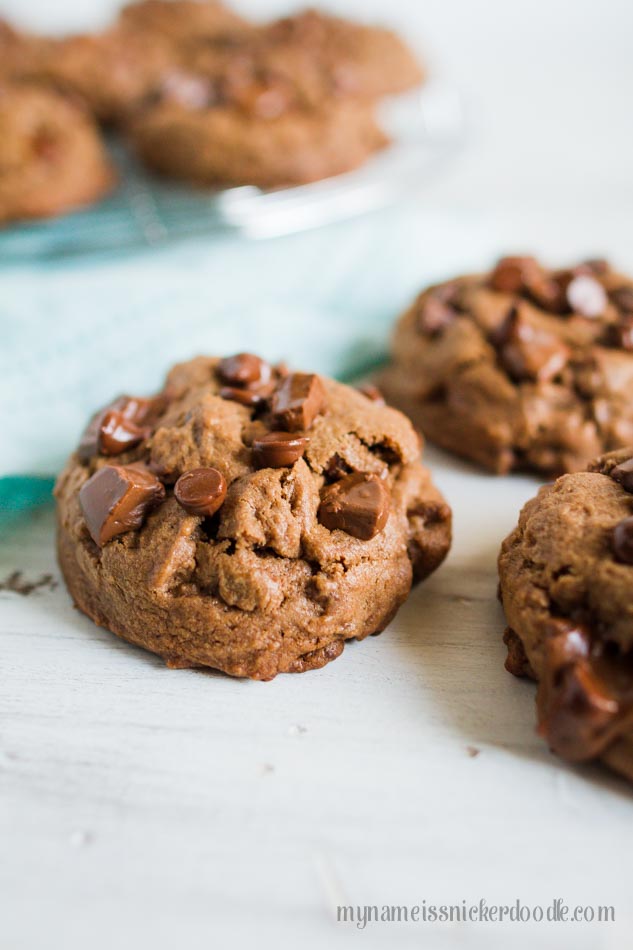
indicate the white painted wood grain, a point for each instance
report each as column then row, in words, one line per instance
column 143, row 807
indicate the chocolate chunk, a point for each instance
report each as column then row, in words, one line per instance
column 278, row 449
column 251, row 398
column 117, row 498
column 620, row 335
column 622, row 541
column 201, row 491
column 576, row 710
column 622, row 297
column 372, row 392
column 586, row 296
column 528, row 351
column 244, row 369
column 434, row 315
column 297, row 401
column 358, row 504
column 516, row 661
column 118, row 427
column 510, row 274
column 623, row 473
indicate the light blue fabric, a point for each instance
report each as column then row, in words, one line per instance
column 76, row 333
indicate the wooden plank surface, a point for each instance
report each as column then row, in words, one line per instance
column 149, row 807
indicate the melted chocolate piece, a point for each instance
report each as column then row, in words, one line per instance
column 511, row 273
column 623, row 473
column 278, row 449
column 528, row 351
column 622, row 541
column 298, row 400
column 118, row 498
column 244, row 369
column 118, row 427
column 357, row 504
column 201, row 491
column 251, row 398
column 433, row 315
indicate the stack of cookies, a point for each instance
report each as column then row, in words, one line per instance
column 199, row 93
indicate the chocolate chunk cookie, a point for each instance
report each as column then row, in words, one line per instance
column 254, row 117
column 51, row 156
column 251, row 535
column 521, row 368
column 566, row 573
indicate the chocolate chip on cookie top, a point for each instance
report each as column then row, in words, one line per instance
column 524, row 367
column 278, row 449
column 297, row 401
column 117, row 499
column 201, row 491
column 357, row 504
column 120, row 426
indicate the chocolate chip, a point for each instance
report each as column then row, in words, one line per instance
column 118, row 427
column 434, row 315
column 528, row 351
column 297, row 401
column 620, row 335
column 510, row 273
column 251, row 398
column 244, row 369
column 586, row 296
column 201, row 491
column 622, row 297
column 278, row 449
column 372, row 393
column 357, row 504
column 117, row 498
column 623, row 473
column 576, row 710
column 622, row 541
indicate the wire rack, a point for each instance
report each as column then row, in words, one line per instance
column 427, row 127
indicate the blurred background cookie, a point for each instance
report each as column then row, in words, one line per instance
column 51, row 156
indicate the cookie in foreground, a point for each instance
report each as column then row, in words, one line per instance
column 521, row 368
column 566, row 573
column 246, row 518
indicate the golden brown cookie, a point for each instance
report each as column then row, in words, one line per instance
column 247, row 519
column 521, row 368
column 51, row 156
column 565, row 581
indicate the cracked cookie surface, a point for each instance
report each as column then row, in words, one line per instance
column 565, row 583
column 520, row 368
column 279, row 574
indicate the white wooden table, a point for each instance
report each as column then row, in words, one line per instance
column 143, row 807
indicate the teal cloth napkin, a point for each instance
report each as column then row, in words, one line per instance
column 76, row 334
